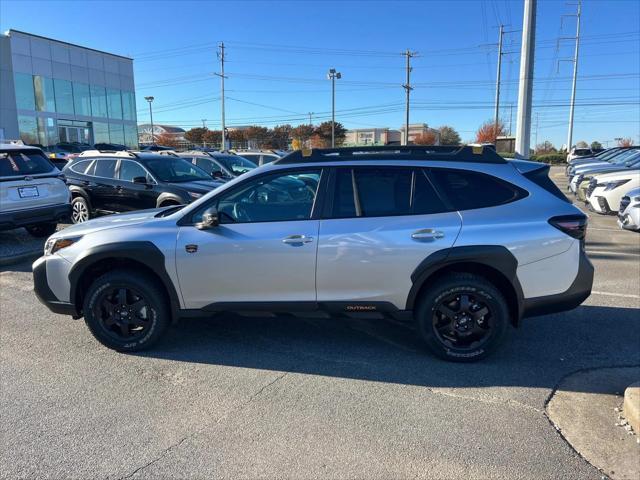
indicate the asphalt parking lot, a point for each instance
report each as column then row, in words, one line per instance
column 282, row 397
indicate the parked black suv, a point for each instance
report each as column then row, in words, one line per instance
column 111, row 182
column 219, row 165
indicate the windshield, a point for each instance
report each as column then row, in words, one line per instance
column 235, row 163
column 174, row 169
column 633, row 159
column 25, row 162
column 623, row 156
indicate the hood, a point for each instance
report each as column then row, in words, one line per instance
column 199, row 186
column 111, row 221
column 590, row 166
column 633, row 193
column 601, row 169
column 618, row 175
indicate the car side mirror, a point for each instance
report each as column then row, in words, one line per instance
column 217, row 174
column 209, row 219
column 142, row 180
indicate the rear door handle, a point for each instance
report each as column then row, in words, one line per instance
column 427, row 234
column 297, row 239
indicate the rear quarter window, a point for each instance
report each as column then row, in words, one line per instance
column 466, row 190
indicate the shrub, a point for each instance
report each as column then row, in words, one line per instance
column 551, row 158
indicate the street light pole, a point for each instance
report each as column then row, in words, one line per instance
column 150, row 99
column 332, row 75
column 525, row 89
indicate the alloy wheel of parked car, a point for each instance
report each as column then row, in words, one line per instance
column 463, row 318
column 125, row 311
column 79, row 210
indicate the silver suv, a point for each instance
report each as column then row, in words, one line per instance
column 455, row 239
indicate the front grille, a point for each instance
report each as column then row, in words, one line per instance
column 624, row 203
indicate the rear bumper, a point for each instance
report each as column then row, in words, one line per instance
column 577, row 293
column 32, row 216
column 44, row 293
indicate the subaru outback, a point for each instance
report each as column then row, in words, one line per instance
column 457, row 240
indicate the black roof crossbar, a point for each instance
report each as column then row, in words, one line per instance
column 454, row 153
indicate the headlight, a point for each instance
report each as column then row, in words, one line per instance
column 195, row 194
column 616, row 184
column 55, row 244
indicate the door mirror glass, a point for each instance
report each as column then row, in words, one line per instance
column 142, row 180
column 209, row 219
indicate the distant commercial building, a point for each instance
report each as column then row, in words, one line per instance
column 372, row 136
column 145, row 137
column 53, row 91
column 416, row 129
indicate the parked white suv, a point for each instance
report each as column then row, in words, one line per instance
column 605, row 191
column 456, row 239
column 33, row 193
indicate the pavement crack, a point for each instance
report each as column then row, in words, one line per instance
column 159, row 457
column 263, row 388
column 489, row 401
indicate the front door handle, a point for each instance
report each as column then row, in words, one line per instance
column 297, row 239
column 427, row 234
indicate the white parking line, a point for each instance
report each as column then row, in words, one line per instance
column 609, row 294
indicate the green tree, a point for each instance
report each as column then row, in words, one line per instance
column 595, row 145
column 449, row 136
column 195, row 134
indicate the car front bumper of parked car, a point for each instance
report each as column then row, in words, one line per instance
column 33, row 216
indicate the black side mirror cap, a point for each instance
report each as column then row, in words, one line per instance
column 142, row 180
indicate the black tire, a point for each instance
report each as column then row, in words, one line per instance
column 80, row 210
column 452, row 320
column 121, row 323
column 42, row 230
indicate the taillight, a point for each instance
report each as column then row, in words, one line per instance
column 573, row 225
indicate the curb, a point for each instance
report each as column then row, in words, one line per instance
column 631, row 406
column 13, row 259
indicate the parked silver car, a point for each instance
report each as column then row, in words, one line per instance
column 456, row 239
column 629, row 213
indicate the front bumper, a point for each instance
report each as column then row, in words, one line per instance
column 44, row 293
column 33, row 216
column 577, row 293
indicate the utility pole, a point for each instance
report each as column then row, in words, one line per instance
column 496, row 115
column 523, row 123
column 333, row 75
column 407, row 87
column 575, row 78
column 222, row 77
column 310, row 115
column 150, row 100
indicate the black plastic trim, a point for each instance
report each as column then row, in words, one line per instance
column 331, row 307
column 577, row 293
column 141, row 251
column 21, row 218
column 44, row 293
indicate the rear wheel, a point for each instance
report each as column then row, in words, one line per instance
column 126, row 311
column 463, row 318
column 80, row 210
column 42, row 230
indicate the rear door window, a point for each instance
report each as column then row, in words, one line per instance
column 466, row 190
column 105, row 168
column 22, row 163
column 130, row 170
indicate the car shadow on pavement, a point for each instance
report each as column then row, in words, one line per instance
column 537, row 354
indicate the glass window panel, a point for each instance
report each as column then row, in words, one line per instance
column 81, row 99
column 25, row 99
column 45, row 97
column 98, row 101
column 64, row 96
column 100, row 132
column 47, row 132
column 105, row 168
column 116, row 133
column 28, row 129
column 131, row 136
column 130, row 170
column 128, row 106
column 114, row 103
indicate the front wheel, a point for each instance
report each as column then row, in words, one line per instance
column 80, row 210
column 42, row 230
column 126, row 311
column 463, row 318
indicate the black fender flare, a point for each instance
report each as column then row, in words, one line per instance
column 144, row 252
column 80, row 192
column 497, row 257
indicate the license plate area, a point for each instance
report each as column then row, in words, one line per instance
column 28, row 192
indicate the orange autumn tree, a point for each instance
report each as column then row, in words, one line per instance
column 625, row 142
column 425, row 138
column 487, row 133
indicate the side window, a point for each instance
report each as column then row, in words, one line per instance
column 130, row 170
column 80, row 167
column 207, row 165
column 275, row 198
column 105, row 168
column 379, row 192
column 466, row 190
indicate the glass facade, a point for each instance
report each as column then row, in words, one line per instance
column 36, row 93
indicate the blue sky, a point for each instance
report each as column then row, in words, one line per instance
column 278, row 54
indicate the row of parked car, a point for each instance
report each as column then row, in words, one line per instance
column 39, row 190
column 609, row 183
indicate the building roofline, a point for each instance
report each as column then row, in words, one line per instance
column 66, row 43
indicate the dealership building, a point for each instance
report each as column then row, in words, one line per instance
column 54, row 92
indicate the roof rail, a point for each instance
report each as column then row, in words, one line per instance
column 455, row 153
column 169, row 153
column 114, row 153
